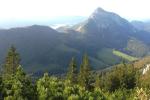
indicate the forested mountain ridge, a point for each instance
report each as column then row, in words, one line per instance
column 45, row 49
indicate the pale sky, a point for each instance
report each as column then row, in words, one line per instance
column 11, row 10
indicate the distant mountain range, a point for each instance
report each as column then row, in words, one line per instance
column 53, row 22
column 145, row 26
column 101, row 36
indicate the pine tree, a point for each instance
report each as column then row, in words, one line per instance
column 18, row 87
column 97, row 82
column 43, row 88
column 81, row 79
column 85, row 74
column 28, row 87
column 72, row 72
column 12, row 61
column 1, row 87
column 49, row 88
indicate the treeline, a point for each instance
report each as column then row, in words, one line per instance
column 123, row 82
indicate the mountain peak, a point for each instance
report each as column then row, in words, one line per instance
column 102, row 19
column 99, row 9
column 99, row 12
column 37, row 26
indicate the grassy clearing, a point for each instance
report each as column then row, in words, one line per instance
column 124, row 56
column 106, row 56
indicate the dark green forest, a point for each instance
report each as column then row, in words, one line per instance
column 122, row 82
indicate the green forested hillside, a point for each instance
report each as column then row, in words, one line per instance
column 123, row 82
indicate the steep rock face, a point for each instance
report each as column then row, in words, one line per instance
column 104, row 20
column 107, row 28
column 101, row 20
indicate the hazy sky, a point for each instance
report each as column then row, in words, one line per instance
column 44, row 9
